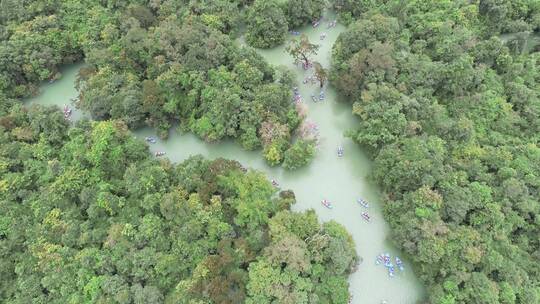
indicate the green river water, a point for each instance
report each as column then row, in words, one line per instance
column 340, row 180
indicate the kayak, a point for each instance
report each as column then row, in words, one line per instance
column 399, row 264
column 327, row 204
column 363, row 203
column 365, row 216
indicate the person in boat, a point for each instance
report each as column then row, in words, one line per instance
column 159, row 153
column 363, row 203
column 150, row 139
column 399, row 264
column 340, row 151
column 274, row 183
column 323, row 35
column 366, row 216
column 326, row 203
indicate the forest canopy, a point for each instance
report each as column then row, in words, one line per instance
column 163, row 65
column 88, row 216
column 451, row 116
column 447, row 93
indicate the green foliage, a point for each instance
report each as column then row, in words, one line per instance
column 446, row 111
column 299, row 154
column 302, row 49
column 266, row 24
column 301, row 12
column 274, row 152
column 175, row 63
column 88, row 216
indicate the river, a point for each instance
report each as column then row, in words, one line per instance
column 340, row 180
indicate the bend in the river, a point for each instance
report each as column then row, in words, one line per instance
column 340, row 180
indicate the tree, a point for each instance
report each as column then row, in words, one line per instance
column 266, row 24
column 92, row 217
column 302, row 49
column 300, row 12
column 320, row 73
column 299, row 154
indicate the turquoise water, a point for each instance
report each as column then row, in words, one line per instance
column 340, row 180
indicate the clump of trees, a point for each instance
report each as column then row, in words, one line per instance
column 449, row 114
column 302, row 50
column 300, row 154
column 266, row 24
column 269, row 20
column 88, row 216
column 154, row 65
column 301, row 12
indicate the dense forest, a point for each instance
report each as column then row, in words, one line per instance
column 87, row 216
column 451, row 116
column 162, row 65
column 448, row 109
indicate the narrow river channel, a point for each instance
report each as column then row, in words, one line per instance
column 340, row 180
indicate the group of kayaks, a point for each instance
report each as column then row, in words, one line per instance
column 361, row 201
column 386, row 260
column 153, row 140
column 364, row 204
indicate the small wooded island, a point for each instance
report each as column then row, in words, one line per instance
column 101, row 202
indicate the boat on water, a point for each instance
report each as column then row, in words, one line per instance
column 159, row 153
column 332, row 24
column 150, row 139
column 340, row 151
column 327, row 204
column 274, row 183
column 399, row 264
column 363, row 202
column 366, row 216
column 67, row 111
